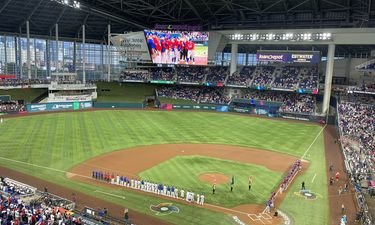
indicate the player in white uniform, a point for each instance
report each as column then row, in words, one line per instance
column 182, row 194
column 198, row 199
column 202, row 199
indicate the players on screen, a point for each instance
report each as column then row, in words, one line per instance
column 177, row 47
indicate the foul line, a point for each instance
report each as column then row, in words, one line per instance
column 316, row 138
column 312, row 181
column 44, row 167
column 106, row 193
column 62, row 171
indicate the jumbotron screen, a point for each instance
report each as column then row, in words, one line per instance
column 178, row 47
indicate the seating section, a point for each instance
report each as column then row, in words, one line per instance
column 11, row 106
column 23, row 82
column 357, row 121
column 22, row 204
column 204, row 95
column 274, row 76
column 287, row 77
column 163, row 73
column 291, row 102
column 263, row 76
column 196, row 74
column 308, row 78
column 134, row 75
column 213, row 96
column 241, row 78
column 176, row 92
column 217, row 74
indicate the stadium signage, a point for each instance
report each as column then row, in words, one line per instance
column 179, row 27
column 58, row 106
column 288, row 57
column 270, row 57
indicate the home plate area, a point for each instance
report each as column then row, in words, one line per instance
column 264, row 218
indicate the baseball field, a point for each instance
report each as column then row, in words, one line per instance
column 190, row 150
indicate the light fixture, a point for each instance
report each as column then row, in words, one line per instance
column 281, row 36
column 70, row 3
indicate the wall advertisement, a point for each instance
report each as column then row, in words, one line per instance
column 288, row 57
column 58, row 106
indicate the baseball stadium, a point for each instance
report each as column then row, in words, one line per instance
column 187, row 112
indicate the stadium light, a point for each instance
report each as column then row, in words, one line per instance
column 70, row 3
column 281, row 36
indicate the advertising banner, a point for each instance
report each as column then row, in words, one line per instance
column 310, row 57
column 132, row 45
column 42, row 107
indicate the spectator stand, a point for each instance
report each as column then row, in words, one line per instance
column 134, row 76
column 241, row 78
column 285, row 78
column 263, row 77
column 356, row 125
column 194, row 75
column 217, row 76
column 308, row 78
column 165, row 75
column 9, row 187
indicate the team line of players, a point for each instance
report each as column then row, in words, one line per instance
column 173, row 48
column 159, row 189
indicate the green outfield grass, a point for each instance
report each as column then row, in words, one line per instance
column 62, row 140
column 188, row 169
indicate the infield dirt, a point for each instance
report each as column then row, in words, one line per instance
column 133, row 161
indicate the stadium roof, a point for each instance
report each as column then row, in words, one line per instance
column 132, row 15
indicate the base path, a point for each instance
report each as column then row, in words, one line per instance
column 133, row 161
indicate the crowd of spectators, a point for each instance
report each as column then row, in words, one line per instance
column 196, row 74
column 14, row 209
column 134, row 75
column 213, row 96
column 357, row 129
column 163, row 73
column 291, row 102
column 23, row 82
column 299, row 104
column 217, row 74
column 364, row 87
column 357, row 121
column 11, row 106
column 205, row 95
column 179, row 92
column 286, row 78
column 263, row 76
column 241, row 78
column 308, row 78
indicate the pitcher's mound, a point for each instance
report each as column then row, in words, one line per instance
column 214, row 178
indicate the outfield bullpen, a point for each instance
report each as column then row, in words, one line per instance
column 62, row 141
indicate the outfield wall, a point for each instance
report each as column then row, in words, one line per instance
column 58, row 106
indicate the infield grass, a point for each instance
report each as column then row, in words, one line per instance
column 62, row 140
column 184, row 172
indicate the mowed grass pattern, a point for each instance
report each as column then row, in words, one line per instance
column 62, row 140
column 184, row 171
